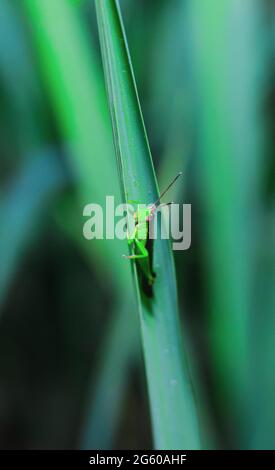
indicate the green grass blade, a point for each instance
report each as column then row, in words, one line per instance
column 173, row 411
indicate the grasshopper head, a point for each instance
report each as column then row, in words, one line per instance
column 148, row 212
column 145, row 214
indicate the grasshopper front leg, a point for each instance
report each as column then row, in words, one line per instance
column 143, row 251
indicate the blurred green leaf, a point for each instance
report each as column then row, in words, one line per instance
column 227, row 85
column 119, row 350
column 20, row 210
column 68, row 64
column 16, row 61
column 75, row 89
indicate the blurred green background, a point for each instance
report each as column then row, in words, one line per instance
column 71, row 370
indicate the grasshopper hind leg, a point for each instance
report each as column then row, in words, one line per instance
column 146, row 275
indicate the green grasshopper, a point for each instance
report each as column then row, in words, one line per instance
column 143, row 246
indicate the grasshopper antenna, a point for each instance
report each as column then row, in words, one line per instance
column 166, row 204
column 167, row 189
